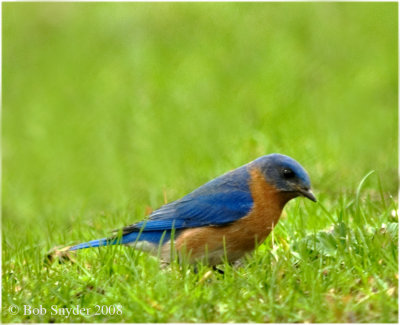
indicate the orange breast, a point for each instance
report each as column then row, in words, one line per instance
column 242, row 236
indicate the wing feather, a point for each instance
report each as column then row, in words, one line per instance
column 218, row 202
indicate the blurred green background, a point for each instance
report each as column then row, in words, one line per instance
column 108, row 106
column 112, row 108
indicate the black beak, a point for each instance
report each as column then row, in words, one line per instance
column 308, row 194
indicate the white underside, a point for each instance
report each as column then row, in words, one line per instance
column 165, row 253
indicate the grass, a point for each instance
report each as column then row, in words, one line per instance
column 109, row 109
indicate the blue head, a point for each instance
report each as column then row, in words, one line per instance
column 286, row 174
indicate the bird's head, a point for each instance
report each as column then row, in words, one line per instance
column 286, row 175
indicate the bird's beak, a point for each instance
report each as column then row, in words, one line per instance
column 308, row 194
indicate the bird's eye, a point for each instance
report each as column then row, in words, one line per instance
column 287, row 173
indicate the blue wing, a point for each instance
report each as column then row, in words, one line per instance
column 218, row 202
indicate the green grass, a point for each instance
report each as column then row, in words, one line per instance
column 109, row 108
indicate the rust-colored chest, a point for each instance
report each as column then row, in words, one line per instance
column 267, row 208
column 241, row 236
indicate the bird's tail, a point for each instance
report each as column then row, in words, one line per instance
column 125, row 239
column 90, row 244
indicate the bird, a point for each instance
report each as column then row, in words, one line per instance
column 224, row 219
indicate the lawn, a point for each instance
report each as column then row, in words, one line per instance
column 112, row 109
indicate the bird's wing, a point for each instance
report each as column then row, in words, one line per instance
column 218, row 202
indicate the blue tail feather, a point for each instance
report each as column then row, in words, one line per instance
column 154, row 237
column 90, row 244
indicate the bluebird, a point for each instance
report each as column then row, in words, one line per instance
column 224, row 218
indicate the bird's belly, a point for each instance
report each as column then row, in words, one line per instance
column 214, row 244
column 204, row 253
